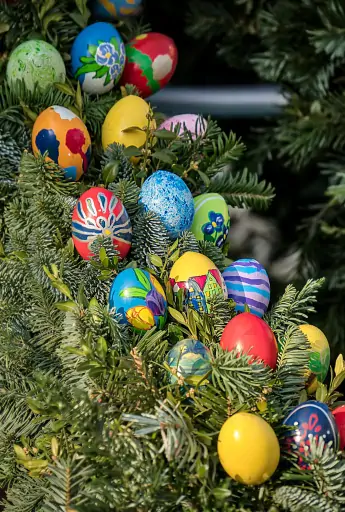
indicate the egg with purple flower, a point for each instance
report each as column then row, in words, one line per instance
column 192, row 123
column 139, row 299
column 98, row 58
column 211, row 220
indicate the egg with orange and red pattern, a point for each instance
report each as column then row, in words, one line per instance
column 151, row 60
column 64, row 137
column 116, row 9
column 99, row 213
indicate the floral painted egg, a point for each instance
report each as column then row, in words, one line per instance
column 115, row 9
column 99, row 212
column 167, row 195
column 139, row 298
column 211, row 219
column 129, row 112
column 192, row 123
column 248, row 284
column 151, row 60
column 250, row 335
column 189, row 360
column 62, row 134
column 98, row 58
column 37, row 63
column 199, row 278
column 339, row 416
column 320, row 355
column 309, row 419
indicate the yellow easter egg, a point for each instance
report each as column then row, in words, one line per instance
column 319, row 359
column 248, row 448
column 130, row 111
column 199, row 279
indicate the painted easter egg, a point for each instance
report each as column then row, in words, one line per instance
column 99, row 212
column 167, row 195
column 309, row 419
column 320, row 355
column 192, row 123
column 199, row 278
column 339, row 416
column 37, row 63
column 129, row 112
column 248, row 284
column 248, row 448
column 139, row 298
column 62, row 134
column 151, row 60
column 211, row 219
column 115, row 9
column 189, row 360
column 98, row 58
column 250, row 335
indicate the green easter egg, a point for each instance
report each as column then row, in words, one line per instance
column 37, row 63
column 211, row 219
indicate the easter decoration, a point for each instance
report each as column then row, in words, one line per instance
column 167, row 195
column 249, row 334
column 319, row 356
column 98, row 58
column 99, row 213
column 248, row 284
column 139, row 299
column 199, row 278
column 186, row 123
column 116, row 9
column 151, row 60
column 190, row 361
column 211, row 219
column 308, row 419
column 64, row 137
column 37, row 64
column 248, row 448
column 339, row 417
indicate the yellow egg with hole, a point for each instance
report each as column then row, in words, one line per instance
column 125, row 122
column 248, row 448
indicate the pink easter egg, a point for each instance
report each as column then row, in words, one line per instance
column 193, row 123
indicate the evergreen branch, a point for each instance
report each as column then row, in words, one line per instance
column 293, row 499
column 128, row 192
column 242, row 189
column 149, row 237
column 214, row 253
column 25, row 494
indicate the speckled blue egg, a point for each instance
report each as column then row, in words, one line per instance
column 168, row 196
column 115, row 9
column 98, row 58
column 310, row 419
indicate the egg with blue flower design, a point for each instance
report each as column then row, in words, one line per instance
column 99, row 213
column 167, row 195
column 115, row 9
column 189, row 360
column 211, row 219
column 139, row 298
column 98, row 58
column 307, row 420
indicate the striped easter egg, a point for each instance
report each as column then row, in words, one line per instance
column 247, row 282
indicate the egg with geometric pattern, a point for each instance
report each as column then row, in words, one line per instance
column 99, row 213
column 64, row 137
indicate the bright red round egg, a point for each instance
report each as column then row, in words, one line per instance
column 99, row 213
column 151, row 60
column 249, row 334
column 339, row 416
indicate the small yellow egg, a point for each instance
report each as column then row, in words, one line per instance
column 319, row 359
column 248, row 448
column 128, row 112
column 191, row 264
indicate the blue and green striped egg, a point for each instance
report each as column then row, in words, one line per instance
column 248, row 284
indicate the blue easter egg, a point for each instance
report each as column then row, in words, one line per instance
column 168, row 196
column 310, row 419
column 190, row 359
column 115, row 9
column 247, row 282
column 139, row 298
column 98, row 58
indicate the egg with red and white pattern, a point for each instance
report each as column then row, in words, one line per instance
column 64, row 138
column 151, row 60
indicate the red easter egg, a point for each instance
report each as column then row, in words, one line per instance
column 151, row 60
column 249, row 334
column 99, row 212
column 339, row 416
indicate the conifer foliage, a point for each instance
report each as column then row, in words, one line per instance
column 89, row 418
